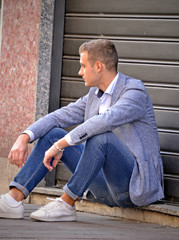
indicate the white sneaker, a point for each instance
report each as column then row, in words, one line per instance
column 7, row 211
column 54, row 211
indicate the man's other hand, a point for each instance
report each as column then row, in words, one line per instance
column 19, row 151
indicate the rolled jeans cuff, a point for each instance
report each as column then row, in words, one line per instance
column 69, row 192
column 19, row 187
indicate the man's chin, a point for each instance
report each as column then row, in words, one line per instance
column 88, row 85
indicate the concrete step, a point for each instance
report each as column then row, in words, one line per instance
column 163, row 214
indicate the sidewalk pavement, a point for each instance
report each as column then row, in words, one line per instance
column 88, row 226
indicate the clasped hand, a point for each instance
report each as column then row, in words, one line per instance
column 19, row 153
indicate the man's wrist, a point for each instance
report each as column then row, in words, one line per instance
column 61, row 144
column 24, row 137
column 69, row 140
column 31, row 135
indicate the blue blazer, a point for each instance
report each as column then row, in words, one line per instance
column 131, row 118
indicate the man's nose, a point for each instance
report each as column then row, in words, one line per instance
column 80, row 72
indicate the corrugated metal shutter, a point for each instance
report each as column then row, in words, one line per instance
column 146, row 34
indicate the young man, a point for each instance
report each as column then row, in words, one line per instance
column 113, row 153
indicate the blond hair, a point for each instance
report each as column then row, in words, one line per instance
column 101, row 50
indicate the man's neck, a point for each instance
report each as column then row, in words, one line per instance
column 106, row 80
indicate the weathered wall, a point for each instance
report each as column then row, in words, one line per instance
column 18, row 75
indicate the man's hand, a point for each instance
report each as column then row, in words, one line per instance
column 19, row 151
column 50, row 153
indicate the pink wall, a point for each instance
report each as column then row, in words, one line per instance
column 18, row 69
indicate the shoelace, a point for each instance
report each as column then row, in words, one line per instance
column 51, row 205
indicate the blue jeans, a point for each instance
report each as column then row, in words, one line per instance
column 102, row 166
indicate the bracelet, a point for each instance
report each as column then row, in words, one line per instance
column 56, row 151
column 59, row 149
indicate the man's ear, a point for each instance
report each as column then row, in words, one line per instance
column 99, row 66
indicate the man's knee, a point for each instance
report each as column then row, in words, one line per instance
column 55, row 133
column 102, row 138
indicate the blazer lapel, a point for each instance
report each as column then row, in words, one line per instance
column 94, row 108
column 92, row 105
column 118, row 88
column 94, row 101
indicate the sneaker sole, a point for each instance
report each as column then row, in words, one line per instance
column 61, row 219
column 6, row 215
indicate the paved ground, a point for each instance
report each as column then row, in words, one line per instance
column 88, row 226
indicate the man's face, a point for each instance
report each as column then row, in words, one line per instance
column 89, row 73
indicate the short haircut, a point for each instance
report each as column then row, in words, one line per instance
column 101, row 50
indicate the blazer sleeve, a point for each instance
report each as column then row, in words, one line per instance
column 64, row 117
column 129, row 107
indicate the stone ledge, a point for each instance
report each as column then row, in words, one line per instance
column 163, row 208
column 162, row 214
column 46, row 190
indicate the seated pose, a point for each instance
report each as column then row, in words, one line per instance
column 113, row 153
